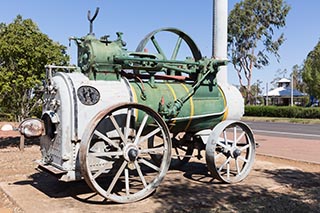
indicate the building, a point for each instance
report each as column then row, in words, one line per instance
column 282, row 95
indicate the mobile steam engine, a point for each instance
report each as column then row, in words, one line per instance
column 121, row 119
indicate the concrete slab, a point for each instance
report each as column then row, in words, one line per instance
column 289, row 148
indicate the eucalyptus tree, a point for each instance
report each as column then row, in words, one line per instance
column 252, row 37
column 311, row 72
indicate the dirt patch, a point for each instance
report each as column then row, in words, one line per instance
column 274, row 185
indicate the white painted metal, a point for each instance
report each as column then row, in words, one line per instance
column 220, row 36
column 71, row 116
column 235, row 103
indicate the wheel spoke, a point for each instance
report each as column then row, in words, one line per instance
column 126, row 178
column 105, row 138
column 116, row 177
column 146, row 137
column 228, row 171
column 100, row 171
column 152, row 151
column 234, row 143
column 245, row 147
column 223, row 165
column 126, row 135
column 241, row 136
column 143, row 180
column 143, row 123
column 176, row 49
column 115, row 124
column 225, row 137
column 223, row 145
column 243, row 159
column 105, row 154
column 158, row 48
column 237, row 165
column 147, row 163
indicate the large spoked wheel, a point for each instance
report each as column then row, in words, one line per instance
column 115, row 159
column 230, row 151
column 176, row 45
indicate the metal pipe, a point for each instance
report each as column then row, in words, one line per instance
column 219, row 36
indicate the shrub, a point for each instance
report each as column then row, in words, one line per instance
column 282, row 111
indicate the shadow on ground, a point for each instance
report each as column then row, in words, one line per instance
column 15, row 141
column 192, row 189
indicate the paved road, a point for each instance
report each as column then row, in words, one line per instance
column 290, row 130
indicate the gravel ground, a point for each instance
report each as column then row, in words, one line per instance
column 274, row 185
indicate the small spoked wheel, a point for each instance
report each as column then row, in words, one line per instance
column 115, row 159
column 230, row 151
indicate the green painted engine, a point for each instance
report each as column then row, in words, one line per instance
column 184, row 92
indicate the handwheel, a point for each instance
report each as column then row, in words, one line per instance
column 115, row 159
column 174, row 42
column 230, row 151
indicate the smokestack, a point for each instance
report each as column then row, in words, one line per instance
column 220, row 36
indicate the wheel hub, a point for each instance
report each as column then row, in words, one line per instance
column 131, row 152
column 236, row 153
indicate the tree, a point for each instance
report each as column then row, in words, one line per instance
column 251, row 26
column 296, row 75
column 311, row 72
column 24, row 52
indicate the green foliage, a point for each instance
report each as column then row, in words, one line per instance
column 311, row 72
column 24, row 52
column 283, row 112
column 251, row 37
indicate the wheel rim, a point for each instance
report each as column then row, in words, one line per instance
column 170, row 46
column 230, row 152
column 114, row 155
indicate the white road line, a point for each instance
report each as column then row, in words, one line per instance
column 286, row 133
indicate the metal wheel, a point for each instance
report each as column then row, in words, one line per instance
column 230, row 151
column 115, row 159
column 181, row 152
column 175, row 44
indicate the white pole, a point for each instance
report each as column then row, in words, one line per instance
column 292, row 89
column 220, row 36
column 267, row 97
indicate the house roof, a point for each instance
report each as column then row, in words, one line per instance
column 284, row 92
column 284, row 80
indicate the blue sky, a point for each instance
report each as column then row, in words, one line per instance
column 60, row 19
